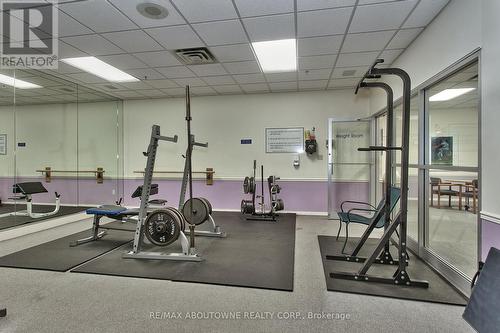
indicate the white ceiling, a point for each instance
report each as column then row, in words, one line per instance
column 333, row 36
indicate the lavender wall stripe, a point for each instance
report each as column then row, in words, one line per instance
column 490, row 237
column 300, row 196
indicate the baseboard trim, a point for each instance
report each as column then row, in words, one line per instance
column 33, row 227
column 490, row 217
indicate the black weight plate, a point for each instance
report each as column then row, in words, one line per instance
column 247, row 207
column 179, row 215
column 162, row 227
column 198, row 215
column 246, row 185
column 252, row 185
column 208, row 204
column 280, row 205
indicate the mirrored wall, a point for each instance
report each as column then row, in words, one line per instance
column 60, row 148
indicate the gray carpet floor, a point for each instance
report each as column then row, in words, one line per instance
column 42, row 301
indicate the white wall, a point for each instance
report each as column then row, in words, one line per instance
column 224, row 120
column 454, row 33
column 490, row 89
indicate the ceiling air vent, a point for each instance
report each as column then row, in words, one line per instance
column 349, row 72
column 195, row 56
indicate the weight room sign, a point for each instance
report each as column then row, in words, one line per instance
column 29, row 34
column 285, row 140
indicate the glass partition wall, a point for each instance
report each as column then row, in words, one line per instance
column 444, row 172
column 65, row 138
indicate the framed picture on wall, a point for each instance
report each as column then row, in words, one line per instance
column 3, row 144
column 442, row 150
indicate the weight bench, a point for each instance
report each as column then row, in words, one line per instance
column 117, row 212
column 24, row 192
column 113, row 212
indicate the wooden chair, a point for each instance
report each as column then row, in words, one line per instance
column 471, row 191
column 443, row 189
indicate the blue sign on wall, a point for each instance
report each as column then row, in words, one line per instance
column 246, row 141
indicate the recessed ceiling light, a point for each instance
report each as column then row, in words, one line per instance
column 152, row 10
column 448, row 94
column 16, row 83
column 99, row 68
column 277, row 55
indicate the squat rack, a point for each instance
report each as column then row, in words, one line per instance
column 400, row 277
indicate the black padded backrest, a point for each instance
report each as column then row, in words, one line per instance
column 482, row 311
column 138, row 191
column 29, row 188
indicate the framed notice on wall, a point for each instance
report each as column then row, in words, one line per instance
column 3, row 144
column 285, row 140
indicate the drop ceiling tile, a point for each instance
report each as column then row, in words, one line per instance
column 356, row 59
column 126, row 94
column 219, row 80
column 68, row 51
column 93, row 44
column 283, row 86
column 203, row 91
column 86, row 78
column 133, row 41
column 369, row 2
column 123, row 61
column 153, row 93
column 162, row 84
column 368, row 41
column 375, row 17
column 336, row 83
column 390, row 55
column 313, row 85
column 263, row 7
column 191, row 81
column 250, row 78
column 227, row 89
column 281, row 77
column 203, row 11
column 316, row 62
column 273, row 27
column 323, row 4
column 175, row 72
column 235, row 52
column 242, row 67
column 107, row 87
column 129, row 8
column 177, row 37
column 208, row 70
column 358, row 72
column 98, row 15
column 323, row 22
column 403, row 38
column 68, row 26
column 319, row 45
column 424, row 13
column 175, row 92
column 255, row 87
column 158, row 59
column 135, row 85
column 315, row 74
column 221, row 32
column 145, row 74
